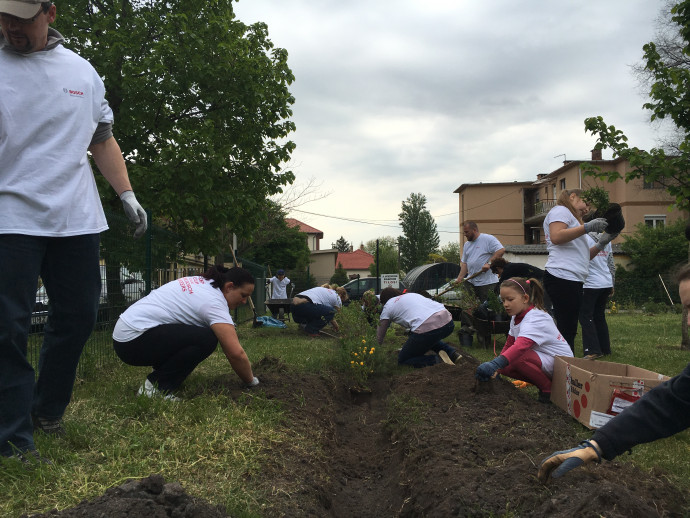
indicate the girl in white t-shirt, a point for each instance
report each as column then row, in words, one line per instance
column 177, row 326
column 569, row 256
column 533, row 340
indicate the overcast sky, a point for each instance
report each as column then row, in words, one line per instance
column 396, row 97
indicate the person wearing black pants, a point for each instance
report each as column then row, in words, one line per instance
column 177, row 326
column 569, row 256
column 597, row 289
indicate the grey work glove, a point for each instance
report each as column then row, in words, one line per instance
column 487, row 369
column 561, row 462
column 134, row 212
column 253, row 383
column 605, row 238
column 596, row 225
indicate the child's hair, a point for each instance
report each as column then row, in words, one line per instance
column 531, row 287
column 327, row 286
column 389, row 293
column 498, row 263
column 219, row 275
column 564, row 199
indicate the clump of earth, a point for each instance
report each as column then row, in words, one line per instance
column 427, row 443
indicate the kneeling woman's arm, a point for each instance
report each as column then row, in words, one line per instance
column 230, row 343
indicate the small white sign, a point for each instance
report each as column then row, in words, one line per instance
column 390, row 280
column 599, row 419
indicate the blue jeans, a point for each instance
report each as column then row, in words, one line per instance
column 69, row 267
column 314, row 316
column 413, row 352
column 173, row 350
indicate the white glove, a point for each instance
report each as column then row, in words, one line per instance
column 605, row 238
column 253, row 383
column 134, row 212
column 596, row 225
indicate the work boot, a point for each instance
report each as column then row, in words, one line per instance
column 48, row 426
column 31, row 459
column 446, row 359
column 455, row 357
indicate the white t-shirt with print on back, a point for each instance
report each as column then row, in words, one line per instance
column 190, row 300
column 410, row 310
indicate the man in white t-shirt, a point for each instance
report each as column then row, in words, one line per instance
column 477, row 255
column 52, row 111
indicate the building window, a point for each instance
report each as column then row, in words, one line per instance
column 536, row 236
column 655, row 220
column 647, row 184
column 562, row 184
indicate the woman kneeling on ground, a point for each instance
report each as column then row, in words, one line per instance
column 428, row 322
column 533, row 339
column 177, row 326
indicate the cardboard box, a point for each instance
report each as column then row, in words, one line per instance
column 585, row 388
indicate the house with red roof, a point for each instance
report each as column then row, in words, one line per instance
column 356, row 262
column 314, row 235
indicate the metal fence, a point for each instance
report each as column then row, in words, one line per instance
column 130, row 269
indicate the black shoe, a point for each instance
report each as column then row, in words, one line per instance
column 455, row 357
column 544, row 397
column 31, row 459
column 48, row 426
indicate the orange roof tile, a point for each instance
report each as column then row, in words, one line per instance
column 357, row 260
column 292, row 222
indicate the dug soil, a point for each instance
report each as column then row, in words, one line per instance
column 426, row 443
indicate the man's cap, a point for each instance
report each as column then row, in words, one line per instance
column 280, row 272
column 20, row 8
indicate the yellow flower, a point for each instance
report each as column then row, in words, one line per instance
column 352, row 361
column 364, row 341
column 361, row 363
column 355, row 354
column 371, row 352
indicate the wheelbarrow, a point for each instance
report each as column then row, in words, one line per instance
column 484, row 329
column 280, row 308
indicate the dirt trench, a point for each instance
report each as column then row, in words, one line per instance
column 423, row 444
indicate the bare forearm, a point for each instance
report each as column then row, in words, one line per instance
column 111, row 164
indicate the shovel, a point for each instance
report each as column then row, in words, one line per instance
column 255, row 322
column 457, row 284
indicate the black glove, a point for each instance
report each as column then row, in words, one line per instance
column 564, row 461
column 487, row 369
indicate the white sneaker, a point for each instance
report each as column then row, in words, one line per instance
column 149, row 390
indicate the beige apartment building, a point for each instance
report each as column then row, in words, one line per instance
column 514, row 211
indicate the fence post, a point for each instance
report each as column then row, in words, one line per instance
column 149, row 253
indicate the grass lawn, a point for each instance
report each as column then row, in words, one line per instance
column 215, row 446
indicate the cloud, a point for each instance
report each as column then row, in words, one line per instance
column 396, row 97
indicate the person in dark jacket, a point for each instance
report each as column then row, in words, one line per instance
column 662, row 412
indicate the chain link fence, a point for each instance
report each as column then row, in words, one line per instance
column 130, row 269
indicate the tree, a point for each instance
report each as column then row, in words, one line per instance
column 341, row 245
column 388, row 255
column 201, row 106
column 420, row 236
column 339, row 277
column 451, row 252
column 669, row 100
column 276, row 244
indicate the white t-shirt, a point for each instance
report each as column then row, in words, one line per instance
column 599, row 275
column 476, row 254
column 325, row 296
column 50, row 105
column 278, row 287
column 538, row 326
column 189, row 300
column 569, row 261
column 410, row 310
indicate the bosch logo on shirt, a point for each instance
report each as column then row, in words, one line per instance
column 73, row 93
